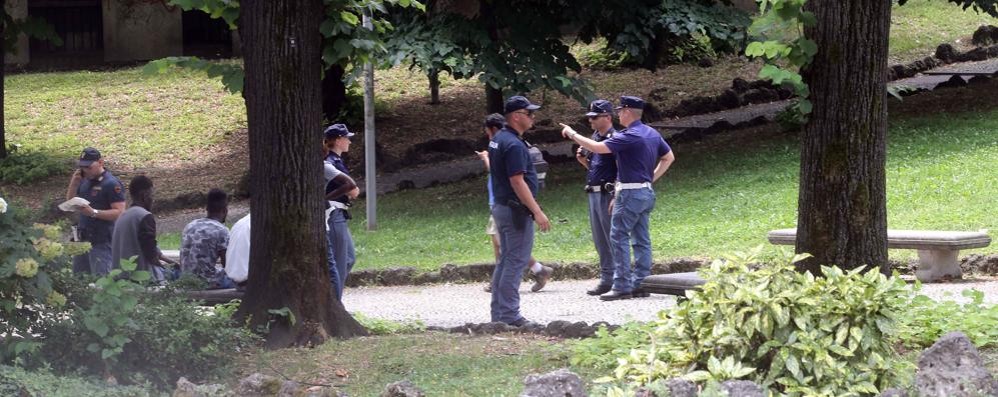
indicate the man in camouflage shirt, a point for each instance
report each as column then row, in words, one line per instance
column 204, row 241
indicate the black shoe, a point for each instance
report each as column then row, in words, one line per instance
column 521, row 322
column 599, row 290
column 640, row 293
column 615, row 295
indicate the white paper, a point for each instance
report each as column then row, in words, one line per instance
column 71, row 204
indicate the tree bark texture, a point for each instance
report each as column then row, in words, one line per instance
column 434, row 78
column 842, row 213
column 3, row 75
column 288, row 245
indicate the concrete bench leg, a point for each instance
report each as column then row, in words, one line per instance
column 936, row 264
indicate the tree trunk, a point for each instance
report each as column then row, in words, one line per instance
column 288, row 245
column 493, row 100
column 334, row 93
column 842, row 202
column 3, row 75
column 493, row 95
column 434, row 77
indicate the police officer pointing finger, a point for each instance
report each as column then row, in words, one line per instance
column 642, row 157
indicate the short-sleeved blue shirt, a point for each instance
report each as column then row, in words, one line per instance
column 100, row 192
column 508, row 156
column 339, row 164
column 638, row 149
column 602, row 167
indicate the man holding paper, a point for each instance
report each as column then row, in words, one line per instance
column 107, row 201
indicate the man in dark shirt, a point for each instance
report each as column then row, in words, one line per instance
column 642, row 158
column 514, row 185
column 602, row 173
column 106, row 195
column 135, row 232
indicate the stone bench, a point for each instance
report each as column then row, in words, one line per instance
column 672, row 283
column 938, row 256
column 938, row 251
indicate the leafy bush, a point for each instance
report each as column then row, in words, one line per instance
column 602, row 350
column 788, row 331
column 924, row 320
column 16, row 381
column 114, row 327
column 144, row 337
column 377, row 326
column 30, row 257
column 25, row 166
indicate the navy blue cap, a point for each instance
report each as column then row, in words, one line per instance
column 599, row 107
column 518, row 102
column 336, row 131
column 631, row 102
column 88, row 157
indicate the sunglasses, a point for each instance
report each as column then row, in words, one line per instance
column 527, row 113
column 598, row 116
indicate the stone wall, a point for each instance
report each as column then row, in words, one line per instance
column 139, row 30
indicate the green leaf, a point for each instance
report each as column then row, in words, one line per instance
column 349, row 17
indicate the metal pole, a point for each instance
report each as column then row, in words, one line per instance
column 370, row 185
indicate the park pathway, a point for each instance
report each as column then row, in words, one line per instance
column 449, row 305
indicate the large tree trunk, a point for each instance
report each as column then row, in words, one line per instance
column 334, row 93
column 842, row 209
column 288, row 244
column 3, row 75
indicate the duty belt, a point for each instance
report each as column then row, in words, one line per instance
column 608, row 187
column 628, row 186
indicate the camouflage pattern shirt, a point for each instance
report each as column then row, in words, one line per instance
column 201, row 244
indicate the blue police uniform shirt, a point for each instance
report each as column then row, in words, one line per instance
column 337, row 161
column 602, row 167
column 508, row 156
column 638, row 149
column 100, row 192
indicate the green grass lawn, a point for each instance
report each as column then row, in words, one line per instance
column 715, row 200
column 440, row 364
column 920, row 25
column 133, row 118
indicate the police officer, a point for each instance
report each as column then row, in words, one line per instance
column 337, row 141
column 96, row 220
column 602, row 173
column 642, row 158
column 514, row 184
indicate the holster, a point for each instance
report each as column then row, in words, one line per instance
column 520, row 213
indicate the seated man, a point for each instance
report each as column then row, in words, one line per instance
column 204, row 241
column 238, row 253
column 135, row 232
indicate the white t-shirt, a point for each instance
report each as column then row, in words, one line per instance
column 238, row 253
column 330, row 171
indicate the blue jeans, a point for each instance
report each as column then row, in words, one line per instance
column 516, row 239
column 342, row 252
column 599, row 223
column 97, row 261
column 629, row 225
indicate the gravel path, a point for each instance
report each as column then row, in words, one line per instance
column 456, row 304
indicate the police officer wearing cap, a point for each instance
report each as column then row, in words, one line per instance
column 642, row 158
column 602, row 173
column 514, row 184
column 340, row 189
column 96, row 220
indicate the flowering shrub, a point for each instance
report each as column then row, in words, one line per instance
column 29, row 256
